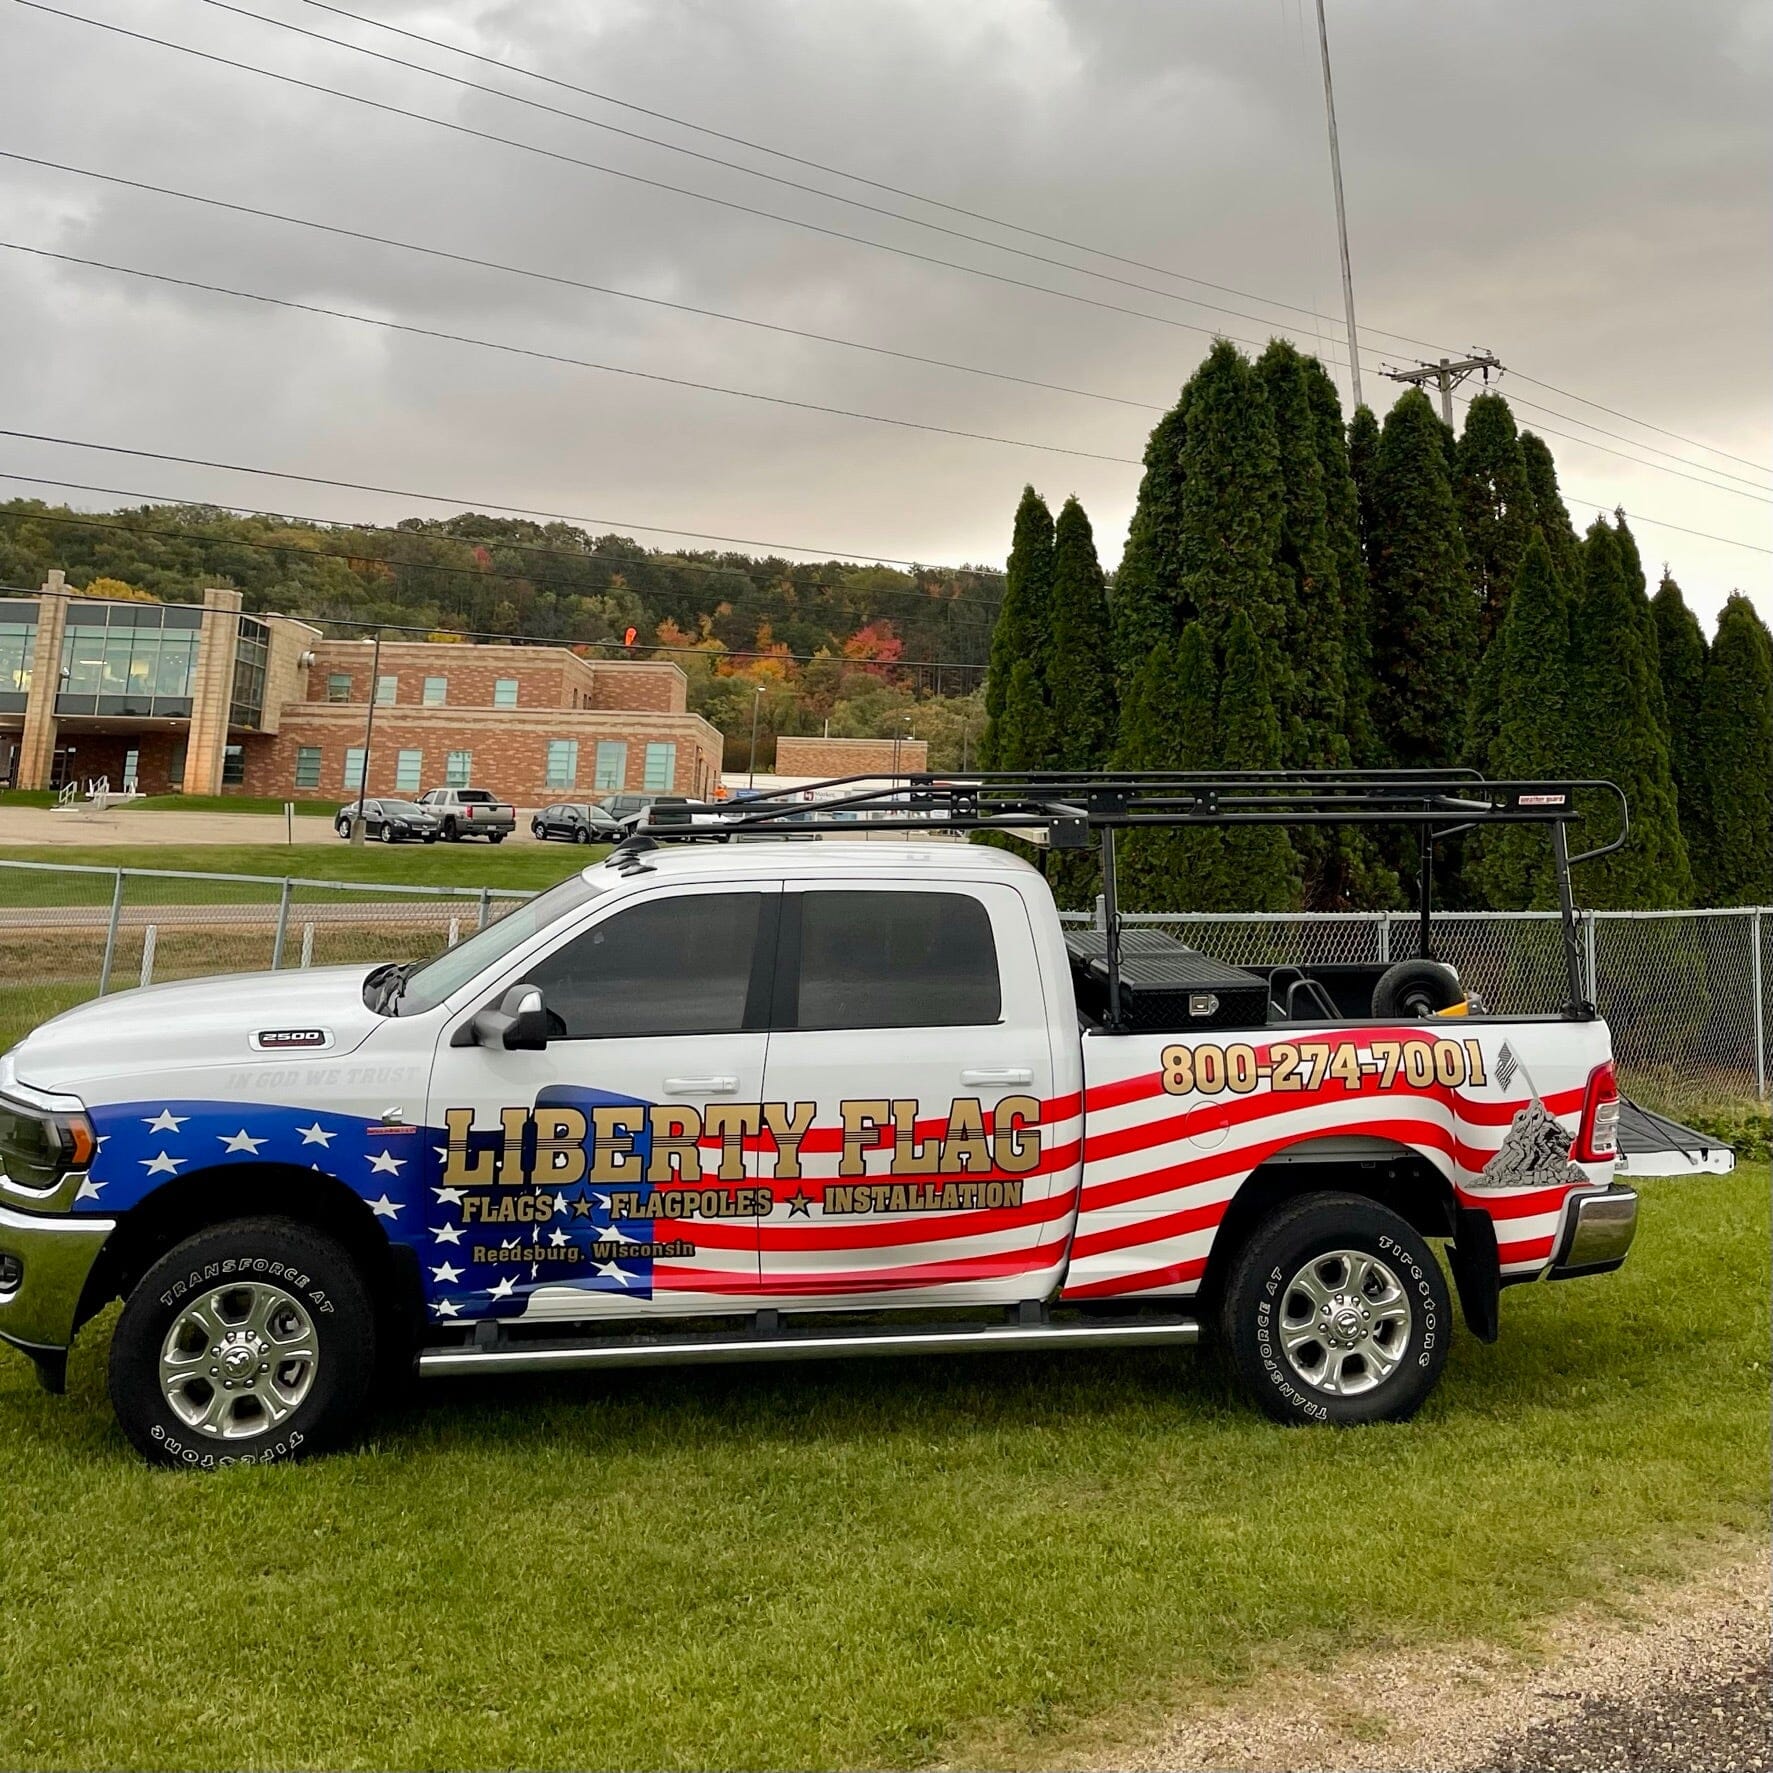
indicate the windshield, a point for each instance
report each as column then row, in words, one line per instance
column 401, row 809
column 430, row 984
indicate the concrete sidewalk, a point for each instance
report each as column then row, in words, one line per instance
column 137, row 825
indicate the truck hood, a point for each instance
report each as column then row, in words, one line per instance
column 233, row 1019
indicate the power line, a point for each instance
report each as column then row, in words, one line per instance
column 860, row 556
column 1636, row 443
column 81, row 520
column 1661, row 430
column 896, row 215
column 643, row 375
column 640, row 179
column 627, row 295
column 834, row 171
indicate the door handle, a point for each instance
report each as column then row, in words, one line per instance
column 1016, row 1074
column 702, row 1086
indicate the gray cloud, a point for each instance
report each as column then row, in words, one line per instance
column 1582, row 190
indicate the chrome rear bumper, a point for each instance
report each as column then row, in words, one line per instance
column 1597, row 1233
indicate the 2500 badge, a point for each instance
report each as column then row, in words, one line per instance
column 1310, row 1065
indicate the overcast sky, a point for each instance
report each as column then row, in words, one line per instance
column 1579, row 187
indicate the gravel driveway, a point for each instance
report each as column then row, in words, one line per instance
column 1672, row 1678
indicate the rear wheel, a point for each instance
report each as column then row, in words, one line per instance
column 251, row 1342
column 450, row 833
column 495, row 837
column 1337, row 1311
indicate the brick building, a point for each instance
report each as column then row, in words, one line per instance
column 815, row 758
column 203, row 699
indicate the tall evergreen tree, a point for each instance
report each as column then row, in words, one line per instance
column 1232, row 499
column 1363, row 464
column 1024, row 619
column 1495, row 505
column 1614, row 734
column 1148, row 587
column 1342, row 507
column 1736, row 748
column 1550, row 513
column 1080, row 672
column 1424, row 615
column 1680, row 651
column 1528, row 661
column 1314, row 726
column 1639, row 586
column 1257, row 869
column 1022, row 734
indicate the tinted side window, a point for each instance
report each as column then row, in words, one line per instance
column 896, row 960
column 675, row 966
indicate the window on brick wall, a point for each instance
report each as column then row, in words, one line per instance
column 458, row 769
column 354, row 768
column 233, row 765
column 338, row 686
column 612, row 763
column 436, row 691
column 307, row 770
column 505, row 692
column 563, row 763
column 661, row 767
column 409, row 766
column 387, row 691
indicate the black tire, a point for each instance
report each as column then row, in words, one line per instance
column 1263, row 1296
column 536, row 831
column 316, row 1274
column 388, row 834
column 450, row 833
column 343, row 828
column 582, row 835
column 495, row 837
column 430, row 837
column 1414, row 989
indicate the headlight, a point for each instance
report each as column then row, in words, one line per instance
column 37, row 1148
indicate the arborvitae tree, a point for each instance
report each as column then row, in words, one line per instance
column 1680, row 651
column 1614, row 734
column 1257, row 869
column 1342, row 508
column 1232, row 497
column 1363, row 464
column 1080, row 674
column 1148, row 586
column 1024, row 617
column 1167, row 723
column 1639, row 585
column 1495, row 505
column 1736, row 740
column 1023, row 732
column 1550, row 512
column 1424, row 614
column 1528, row 659
column 1314, row 727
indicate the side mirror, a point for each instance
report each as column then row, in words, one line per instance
column 519, row 1021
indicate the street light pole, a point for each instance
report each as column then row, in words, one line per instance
column 369, row 733
column 756, row 703
column 1354, row 354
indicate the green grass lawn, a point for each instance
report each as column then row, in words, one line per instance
column 864, row 1563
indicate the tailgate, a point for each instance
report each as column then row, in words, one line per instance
column 1175, row 1124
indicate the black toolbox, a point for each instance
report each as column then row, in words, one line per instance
column 1165, row 987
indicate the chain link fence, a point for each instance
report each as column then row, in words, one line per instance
column 1688, row 994
column 71, row 933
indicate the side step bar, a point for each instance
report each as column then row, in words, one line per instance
column 436, row 1363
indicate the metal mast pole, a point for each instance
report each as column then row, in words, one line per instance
column 1354, row 354
column 369, row 735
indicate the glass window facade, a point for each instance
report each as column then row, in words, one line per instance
column 307, row 770
column 233, row 765
column 436, row 691
column 354, row 768
column 505, row 692
column 409, row 766
column 338, row 686
column 458, row 771
column 612, row 763
column 129, row 658
column 252, row 651
column 18, row 640
column 387, row 689
column 661, row 767
column 563, row 763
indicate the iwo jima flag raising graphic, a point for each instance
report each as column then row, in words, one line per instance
column 1535, row 1151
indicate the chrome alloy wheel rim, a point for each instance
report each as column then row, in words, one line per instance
column 1344, row 1323
column 238, row 1361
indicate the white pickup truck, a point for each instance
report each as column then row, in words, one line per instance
column 680, row 1102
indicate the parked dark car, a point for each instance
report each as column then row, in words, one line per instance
column 625, row 809
column 389, row 821
column 577, row 821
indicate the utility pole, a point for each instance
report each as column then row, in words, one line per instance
column 1354, row 351
column 1446, row 375
column 369, row 734
column 756, row 703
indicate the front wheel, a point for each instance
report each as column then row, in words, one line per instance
column 251, row 1342
column 388, row 834
column 1337, row 1311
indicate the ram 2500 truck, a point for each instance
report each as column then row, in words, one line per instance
column 773, row 1101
